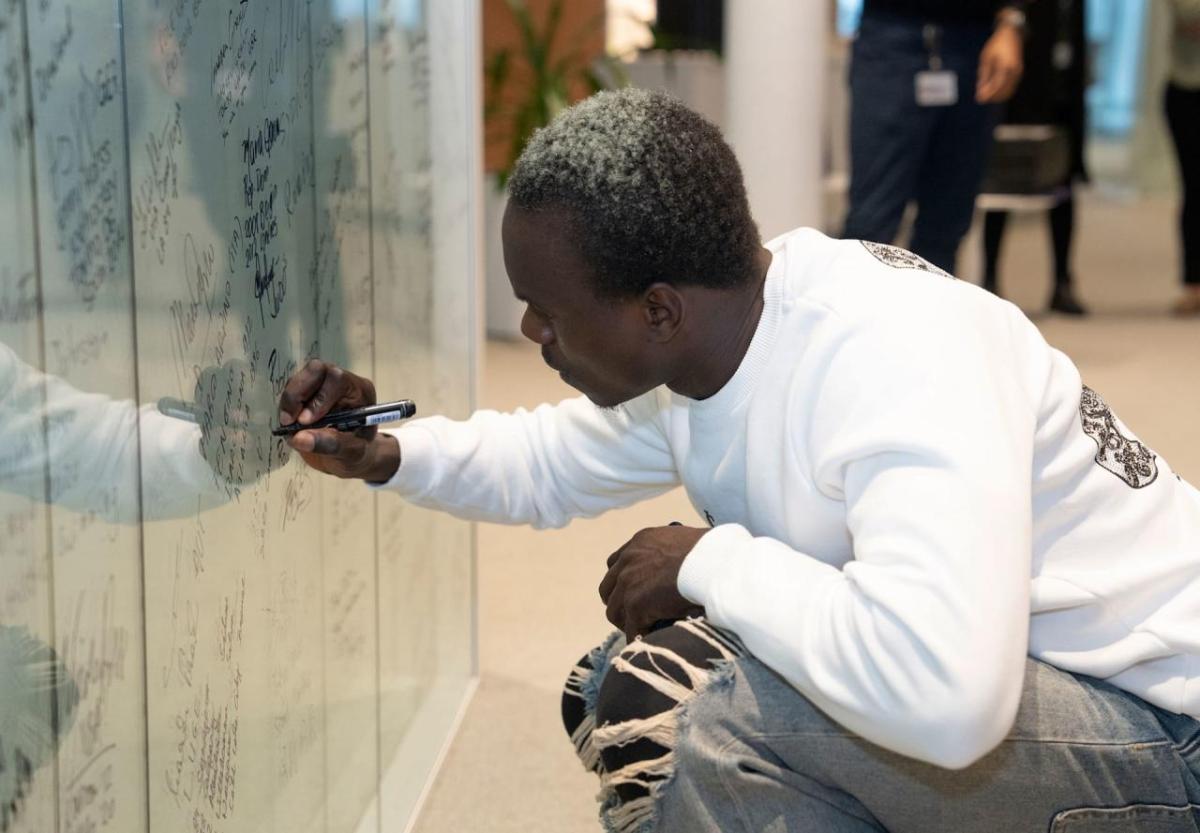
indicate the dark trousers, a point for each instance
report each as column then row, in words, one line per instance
column 1062, row 230
column 900, row 151
column 1183, row 116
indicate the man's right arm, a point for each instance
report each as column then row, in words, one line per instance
column 541, row 467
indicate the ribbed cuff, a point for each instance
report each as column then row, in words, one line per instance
column 704, row 563
column 418, row 462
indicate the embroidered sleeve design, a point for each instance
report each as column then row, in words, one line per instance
column 898, row 258
column 1124, row 456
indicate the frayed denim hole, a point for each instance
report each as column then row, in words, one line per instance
column 723, row 673
column 721, row 678
column 600, row 659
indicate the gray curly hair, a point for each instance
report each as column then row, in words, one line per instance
column 654, row 192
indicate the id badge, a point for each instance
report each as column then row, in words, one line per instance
column 937, row 88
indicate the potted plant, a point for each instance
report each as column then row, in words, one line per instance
column 526, row 87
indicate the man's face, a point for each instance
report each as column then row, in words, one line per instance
column 599, row 347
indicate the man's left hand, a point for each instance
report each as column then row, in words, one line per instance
column 1000, row 66
column 640, row 587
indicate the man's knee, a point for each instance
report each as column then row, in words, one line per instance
column 659, row 671
column 582, row 687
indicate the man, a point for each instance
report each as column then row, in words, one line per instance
column 925, row 76
column 908, row 491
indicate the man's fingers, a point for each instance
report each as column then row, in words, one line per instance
column 615, row 557
column 614, row 611
column 302, row 441
column 608, row 583
column 323, row 399
column 319, row 388
column 989, row 79
column 1003, row 84
column 299, row 388
column 636, row 626
column 324, row 441
column 339, row 390
column 614, row 572
column 998, row 80
column 637, row 613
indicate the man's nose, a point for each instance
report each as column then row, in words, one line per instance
column 535, row 328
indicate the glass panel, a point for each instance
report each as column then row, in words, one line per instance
column 28, row 776
column 198, row 632
column 82, row 209
column 423, row 333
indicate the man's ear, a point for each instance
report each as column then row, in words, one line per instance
column 663, row 308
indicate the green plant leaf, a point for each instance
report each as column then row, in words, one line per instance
column 533, row 46
column 550, row 32
column 548, row 91
column 497, row 74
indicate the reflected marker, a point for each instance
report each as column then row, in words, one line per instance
column 172, row 407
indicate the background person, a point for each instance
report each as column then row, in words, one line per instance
column 1051, row 92
column 1183, row 116
column 924, row 76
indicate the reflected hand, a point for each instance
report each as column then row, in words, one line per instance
column 641, row 586
column 233, row 405
column 314, row 391
column 1189, row 29
column 1000, row 66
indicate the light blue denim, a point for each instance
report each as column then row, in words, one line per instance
column 752, row 754
column 1082, row 757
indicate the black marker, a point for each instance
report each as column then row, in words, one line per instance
column 355, row 418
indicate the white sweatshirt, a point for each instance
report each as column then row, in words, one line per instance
column 910, row 492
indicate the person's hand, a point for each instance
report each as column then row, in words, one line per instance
column 233, row 407
column 1000, row 66
column 640, row 587
column 314, row 391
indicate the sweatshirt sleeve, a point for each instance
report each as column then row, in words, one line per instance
column 924, row 429
column 82, row 440
column 541, row 467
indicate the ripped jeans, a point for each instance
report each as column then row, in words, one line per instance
column 689, row 734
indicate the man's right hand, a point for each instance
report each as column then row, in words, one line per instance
column 318, row 389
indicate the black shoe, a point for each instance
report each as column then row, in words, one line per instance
column 1064, row 301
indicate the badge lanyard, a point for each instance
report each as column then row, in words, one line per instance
column 933, row 46
column 1064, row 50
column 935, row 86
